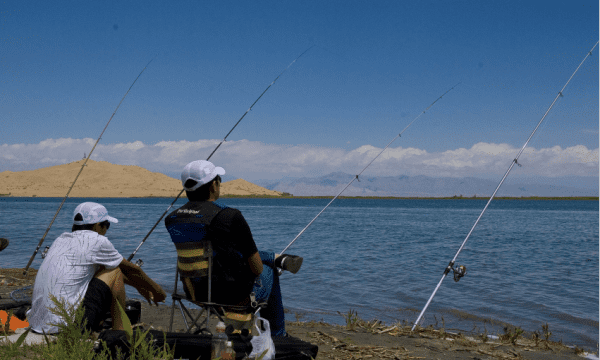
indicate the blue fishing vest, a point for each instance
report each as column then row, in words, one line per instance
column 188, row 227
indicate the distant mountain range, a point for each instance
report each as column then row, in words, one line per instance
column 424, row 186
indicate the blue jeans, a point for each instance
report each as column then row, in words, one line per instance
column 266, row 288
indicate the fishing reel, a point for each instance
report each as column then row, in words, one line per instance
column 139, row 263
column 45, row 252
column 459, row 271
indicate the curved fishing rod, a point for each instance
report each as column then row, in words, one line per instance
column 211, row 154
column 80, row 170
column 356, row 176
column 461, row 271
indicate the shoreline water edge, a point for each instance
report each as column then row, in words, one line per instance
column 472, row 324
column 374, row 339
column 289, row 196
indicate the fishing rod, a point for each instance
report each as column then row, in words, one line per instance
column 80, row 170
column 356, row 176
column 211, row 154
column 460, row 271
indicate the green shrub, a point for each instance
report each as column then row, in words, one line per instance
column 73, row 343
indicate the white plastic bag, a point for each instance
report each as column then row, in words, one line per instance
column 262, row 343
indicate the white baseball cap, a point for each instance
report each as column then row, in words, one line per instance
column 201, row 171
column 92, row 213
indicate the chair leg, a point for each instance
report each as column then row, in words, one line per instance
column 208, row 309
column 172, row 315
column 195, row 321
column 173, row 300
column 181, row 307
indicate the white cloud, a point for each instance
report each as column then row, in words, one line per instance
column 253, row 160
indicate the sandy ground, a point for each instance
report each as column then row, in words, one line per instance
column 372, row 340
column 102, row 179
column 360, row 340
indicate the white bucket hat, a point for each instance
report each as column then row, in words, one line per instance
column 201, row 171
column 92, row 213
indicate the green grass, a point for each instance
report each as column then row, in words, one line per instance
column 71, row 343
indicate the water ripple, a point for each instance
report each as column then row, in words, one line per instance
column 529, row 262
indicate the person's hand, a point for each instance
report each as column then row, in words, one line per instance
column 159, row 295
column 147, row 294
column 153, row 295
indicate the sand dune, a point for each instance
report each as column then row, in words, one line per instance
column 243, row 187
column 103, row 179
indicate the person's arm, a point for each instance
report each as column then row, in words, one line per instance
column 134, row 276
column 256, row 264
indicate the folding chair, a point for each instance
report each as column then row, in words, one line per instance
column 240, row 316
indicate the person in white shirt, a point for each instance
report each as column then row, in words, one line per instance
column 83, row 268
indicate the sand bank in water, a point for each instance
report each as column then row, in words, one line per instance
column 103, row 179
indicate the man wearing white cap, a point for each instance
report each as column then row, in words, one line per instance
column 84, row 268
column 238, row 265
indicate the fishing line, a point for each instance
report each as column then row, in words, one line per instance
column 80, row 170
column 211, row 154
column 461, row 270
column 356, row 176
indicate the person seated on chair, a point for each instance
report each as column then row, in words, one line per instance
column 237, row 264
column 84, row 268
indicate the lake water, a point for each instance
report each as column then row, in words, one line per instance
column 528, row 262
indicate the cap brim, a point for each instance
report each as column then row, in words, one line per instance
column 112, row 219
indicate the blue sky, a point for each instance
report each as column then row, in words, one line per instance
column 374, row 67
